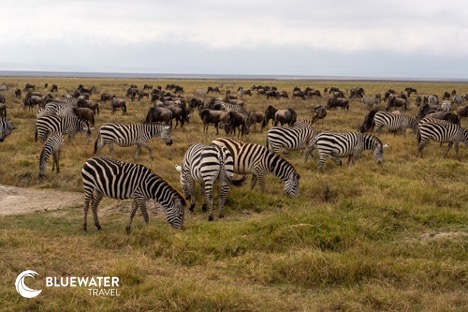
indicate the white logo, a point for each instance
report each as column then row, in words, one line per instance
column 24, row 290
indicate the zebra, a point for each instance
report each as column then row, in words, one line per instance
column 6, row 127
column 445, row 106
column 53, row 145
column 258, row 160
column 394, row 122
column 289, row 139
column 69, row 124
column 234, row 107
column 206, row 164
column 368, row 101
column 351, row 144
column 120, row 180
column 131, row 134
column 443, row 132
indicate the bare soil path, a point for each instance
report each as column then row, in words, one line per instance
column 17, row 200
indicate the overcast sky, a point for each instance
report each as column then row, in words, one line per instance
column 379, row 38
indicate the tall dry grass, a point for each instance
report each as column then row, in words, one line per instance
column 364, row 237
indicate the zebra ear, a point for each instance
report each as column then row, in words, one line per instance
column 178, row 168
column 167, row 127
column 385, row 146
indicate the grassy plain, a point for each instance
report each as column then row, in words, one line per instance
column 360, row 238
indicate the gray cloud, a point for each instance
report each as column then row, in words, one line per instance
column 371, row 38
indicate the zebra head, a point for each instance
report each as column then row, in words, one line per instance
column 176, row 210
column 291, row 185
column 166, row 135
column 378, row 153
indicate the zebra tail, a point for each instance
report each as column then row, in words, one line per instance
column 96, row 143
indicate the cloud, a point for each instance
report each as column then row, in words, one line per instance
column 94, row 32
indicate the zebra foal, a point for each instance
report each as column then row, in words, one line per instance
column 206, row 165
column 121, row 180
column 52, row 146
column 133, row 134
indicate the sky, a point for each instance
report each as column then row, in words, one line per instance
column 359, row 38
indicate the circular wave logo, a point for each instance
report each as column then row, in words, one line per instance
column 24, row 290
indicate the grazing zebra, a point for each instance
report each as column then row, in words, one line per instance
column 6, row 127
column 351, row 144
column 258, row 160
column 234, row 107
column 121, row 180
column 289, row 139
column 368, row 101
column 53, row 145
column 394, row 122
column 206, row 164
column 442, row 132
column 128, row 135
column 69, row 124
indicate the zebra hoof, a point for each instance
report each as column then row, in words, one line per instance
column 204, row 208
column 210, row 218
column 221, row 216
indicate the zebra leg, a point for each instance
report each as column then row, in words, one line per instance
column 209, row 198
column 97, row 198
column 132, row 215
column 59, row 155
column 88, row 197
column 321, row 163
column 254, row 181
column 144, row 210
column 202, row 194
column 224, row 190
column 456, row 150
column 449, row 147
column 421, row 147
column 148, row 148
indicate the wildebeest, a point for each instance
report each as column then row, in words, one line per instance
column 335, row 102
column 118, row 103
column 3, row 111
column 462, row 112
column 106, row 97
column 32, row 99
column 410, row 90
column 284, row 116
column 54, row 88
column 319, row 113
column 85, row 113
column 29, row 86
column 214, row 117
column 269, row 115
column 159, row 114
column 298, row 94
column 2, row 99
column 18, row 93
column 179, row 114
column 357, row 92
column 94, row 106
column 255, row 117
column 212, row 89
column 236, row 121
column 396, row 102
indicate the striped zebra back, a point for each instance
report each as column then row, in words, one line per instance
column 69, row 124
column 235, row 107
column 258, row 160
column 130, row 134
column 441, row 131
column 394, row 122
column 288, row 138
column 121, row 180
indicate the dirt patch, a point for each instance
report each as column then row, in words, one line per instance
column 17, row 200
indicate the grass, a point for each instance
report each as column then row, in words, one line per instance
column 358, row 238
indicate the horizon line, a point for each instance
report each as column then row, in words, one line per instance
column 140, row 75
